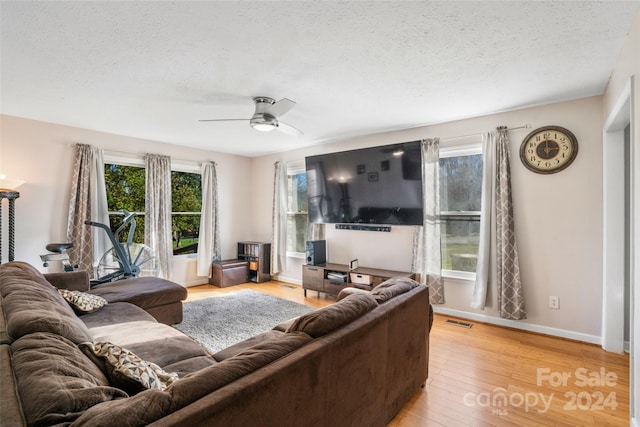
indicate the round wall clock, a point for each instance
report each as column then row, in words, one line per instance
column 549, row 149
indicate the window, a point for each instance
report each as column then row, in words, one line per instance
column 460, row 198
column 126, row 190
column 186, row 204
column 297, row 215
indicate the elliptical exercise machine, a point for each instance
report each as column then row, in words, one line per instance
column 124, row 260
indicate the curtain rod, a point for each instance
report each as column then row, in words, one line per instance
column 527, row 126
column 141, row 156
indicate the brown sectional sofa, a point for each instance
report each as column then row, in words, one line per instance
column 353, row 363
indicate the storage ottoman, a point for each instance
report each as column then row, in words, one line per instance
column 228, row 273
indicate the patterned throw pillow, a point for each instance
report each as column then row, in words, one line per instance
column 125, row 370
column 82, row 301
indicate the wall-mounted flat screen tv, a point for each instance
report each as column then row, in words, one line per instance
column 377, row 185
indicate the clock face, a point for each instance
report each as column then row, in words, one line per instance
column 548, row 149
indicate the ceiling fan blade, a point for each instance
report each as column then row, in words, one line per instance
column 281, row 107
column 223, row 120
column 288, row 129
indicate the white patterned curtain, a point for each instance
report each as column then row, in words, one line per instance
column 279, row 219
column 487, row 223
column 157, row 232
column 100, row 209
column 209, row 236
column 88, row 202
column 426, row 239
column 502, row 229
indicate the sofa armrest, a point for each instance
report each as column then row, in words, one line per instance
column 72, row 280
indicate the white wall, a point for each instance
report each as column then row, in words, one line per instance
column 558, row 217
column 41, row 154
column 628, row 69
column 558, row 220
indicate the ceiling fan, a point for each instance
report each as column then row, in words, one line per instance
column 266, row 115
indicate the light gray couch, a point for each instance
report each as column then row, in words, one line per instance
column 353, row 363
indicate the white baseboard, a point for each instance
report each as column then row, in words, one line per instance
column 196, row 282
column 635, row 422
column 287, row 280
column 562, row 333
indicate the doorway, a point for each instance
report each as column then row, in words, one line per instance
column 616, row 299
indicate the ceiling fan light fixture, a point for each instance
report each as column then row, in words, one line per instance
column 265, row 118
column 263, row 122
column 263, row 127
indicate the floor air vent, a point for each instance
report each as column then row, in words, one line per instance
column 287, row 286
column 459, row 323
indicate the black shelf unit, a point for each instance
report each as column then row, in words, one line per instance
column 258, row 255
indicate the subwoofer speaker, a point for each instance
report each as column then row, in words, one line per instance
column 316, row 252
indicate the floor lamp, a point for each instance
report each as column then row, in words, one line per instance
column 11, row 195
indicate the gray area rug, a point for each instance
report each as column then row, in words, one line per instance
column 221, row 321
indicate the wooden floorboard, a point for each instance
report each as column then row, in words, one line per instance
column 492, row 376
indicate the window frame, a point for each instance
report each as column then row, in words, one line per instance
column 458, row 151
column 124, row 159
column 295, row 168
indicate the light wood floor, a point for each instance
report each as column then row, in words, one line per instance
column 492, row 376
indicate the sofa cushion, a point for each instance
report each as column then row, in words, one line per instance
column 144, row 292
column 82, row 301
column 136, row 411
column 190, row 365
column 4, row 335
column 115, row 313
column 324, row 320
column 198, row 384
column 31, row 304
column 21, row 270
column 73, row 280
column 283, row 326
column 152, row 341
column 30, row 311
column 393, row 287
column 126, row 370
column 56, row 382
column 246, row 344
column 10, row 407
column 345, row 292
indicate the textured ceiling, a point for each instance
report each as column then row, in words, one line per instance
column 151, row 69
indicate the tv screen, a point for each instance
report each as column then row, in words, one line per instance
column 377, row 185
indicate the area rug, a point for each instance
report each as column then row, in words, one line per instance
column 221, row 321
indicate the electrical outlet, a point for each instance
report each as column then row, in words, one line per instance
column 554, row 302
